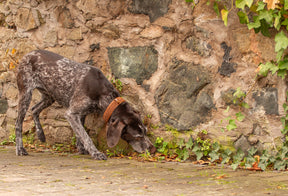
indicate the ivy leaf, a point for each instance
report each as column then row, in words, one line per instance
column 245, row 105
column 249, row 161
column 285, row 4
column 264, row 160
column 215, row 146
column 199, row 155
column 252, row 151
column 239, row 93
column 283, row 64
column 243, row 18
column 224, row 14
column 214, row 155
column 249, row 3
column 232, row 125
column 226, row 156
column 279, row 55
column 180, row 143
column 277, row 21
column 265, row 68
column 196, row 148
column 235, row 165
column 282, row 73
column 266, row 15
column 281, row 41
column 238, row 156
column 261, row 6
column 254, row 25
column 265, row 28
column 280, row 164
column 185, row 154
column 189, row 144
column 240, row 117
column 285, row 22
column 216, row 9
column 240, row 4
column 284, row 152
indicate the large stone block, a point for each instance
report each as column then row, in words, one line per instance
column 28, row 19
column 268, row 100
column 153, row 8
column 181, row 98
column 136, row 62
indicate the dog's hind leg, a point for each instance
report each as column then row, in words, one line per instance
column 45, row 102
column 23, row 105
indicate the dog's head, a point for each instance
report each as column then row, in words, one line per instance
column 125, row 123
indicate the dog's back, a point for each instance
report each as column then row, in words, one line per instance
column 52, row 74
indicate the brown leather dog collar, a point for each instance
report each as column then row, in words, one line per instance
column 112, row 106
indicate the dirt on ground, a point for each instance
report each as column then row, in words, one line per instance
column 70, row 174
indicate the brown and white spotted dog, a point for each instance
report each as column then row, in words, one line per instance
column 82, row 89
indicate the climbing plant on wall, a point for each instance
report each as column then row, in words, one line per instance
column 264, row 16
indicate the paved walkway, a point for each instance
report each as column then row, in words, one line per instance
column 50, row 174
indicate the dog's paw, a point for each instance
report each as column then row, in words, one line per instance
column 99, row 156
column 20, row 151
column 82, row 151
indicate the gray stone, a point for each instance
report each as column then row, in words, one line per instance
column 198, row 45
column 3, row 106
column 136, row 62
column 227, row 67
column 242, row 143
column 181, row 98
column 268, row 99
column 153, row 8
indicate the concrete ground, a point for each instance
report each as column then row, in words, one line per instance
column 53, row 174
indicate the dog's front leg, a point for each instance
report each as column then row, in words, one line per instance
column 75, row 121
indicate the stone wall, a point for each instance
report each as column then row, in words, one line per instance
column 177, row 64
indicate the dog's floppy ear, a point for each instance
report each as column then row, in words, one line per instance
column 113, row 132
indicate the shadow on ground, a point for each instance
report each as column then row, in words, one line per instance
column 52, row 174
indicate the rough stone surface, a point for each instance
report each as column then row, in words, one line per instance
column 26, row 20
column 3, row 106
column 136, row 62
column 227, row 67
column 181, row 97
column 242, row 143
column 152, row 32
column 198, row 45
column 267, row 99
column 64, row 17
column 153, row 8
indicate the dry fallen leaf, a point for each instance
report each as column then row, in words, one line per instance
column 271, row 4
